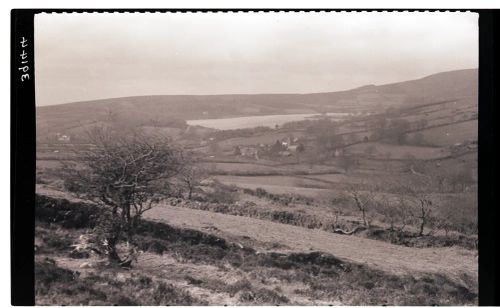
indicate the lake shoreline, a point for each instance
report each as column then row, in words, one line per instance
column 262, row 120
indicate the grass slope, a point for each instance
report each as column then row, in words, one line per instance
column 188, row 267
column 451, row 262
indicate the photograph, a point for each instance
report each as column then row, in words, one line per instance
column 256, row 158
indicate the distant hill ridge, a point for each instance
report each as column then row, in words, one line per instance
column 160, row 110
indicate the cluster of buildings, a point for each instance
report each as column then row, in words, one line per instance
column 59, row 137
column 285, row 147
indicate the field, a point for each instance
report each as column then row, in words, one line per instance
column 451, row 134
column 400, row 151
column 393, row 259
column 266, row 181
column 265, row 139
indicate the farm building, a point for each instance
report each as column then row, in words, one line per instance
column 247, row 151
column 63, row 138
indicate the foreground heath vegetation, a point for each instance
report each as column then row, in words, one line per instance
column 205, row 269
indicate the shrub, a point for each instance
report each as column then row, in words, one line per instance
column 56, row 286
column 167, row 294
column 282, row 199
column 222, row 193
column 47, row 273
column 68, row 214
column 240, row 285
column 264, row 296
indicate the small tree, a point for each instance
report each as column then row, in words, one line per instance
column 301, row 148
column 461, row 178
column 395, row 212
column 127, row 175
column 221, row 193
column 424, row 213
column 237, row 150
column 418, row 193
column 395, row 131
column 362, row 200
column 459, row 213
column 191, row 173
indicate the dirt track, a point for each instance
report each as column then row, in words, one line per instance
column 452, row 262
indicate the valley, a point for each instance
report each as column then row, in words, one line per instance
column 381, row 181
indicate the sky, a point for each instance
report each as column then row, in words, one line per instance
column 81, row 57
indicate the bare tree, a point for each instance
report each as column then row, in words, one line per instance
column 418, row 193
column 362, row 200
column 127, row 175
column 424, row 213
column 459, row 214
column 461, row 178
column 191, row 173
column 395, row 211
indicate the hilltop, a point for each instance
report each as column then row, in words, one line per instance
column 172, row 110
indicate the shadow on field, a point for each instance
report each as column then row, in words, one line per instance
column 289, row 217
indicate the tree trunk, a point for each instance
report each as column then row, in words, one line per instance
column 113, row 256
column 422, row 218
column 126, row 220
